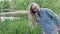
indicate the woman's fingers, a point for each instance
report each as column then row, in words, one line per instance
column 59, row 30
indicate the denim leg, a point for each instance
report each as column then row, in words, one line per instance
column 54, row 32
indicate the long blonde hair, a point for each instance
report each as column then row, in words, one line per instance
column 32, row 16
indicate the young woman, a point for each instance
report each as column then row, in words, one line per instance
column 45, row 17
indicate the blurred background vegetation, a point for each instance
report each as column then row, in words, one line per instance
column 21, row 26
column 24, row 4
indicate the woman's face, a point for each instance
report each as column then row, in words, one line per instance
column 35, row 7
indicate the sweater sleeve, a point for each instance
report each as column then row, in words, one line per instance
column 54, row 16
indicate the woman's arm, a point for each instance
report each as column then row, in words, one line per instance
column 54, row 17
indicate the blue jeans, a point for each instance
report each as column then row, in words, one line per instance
column 55, row 32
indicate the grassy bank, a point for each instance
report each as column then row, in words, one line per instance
column 18, row 26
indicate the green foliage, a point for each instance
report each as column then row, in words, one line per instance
column 51, row 4
column 4, row 6
column 19, row 26
column 24, row 4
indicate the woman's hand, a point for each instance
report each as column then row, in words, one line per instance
column 59, row 29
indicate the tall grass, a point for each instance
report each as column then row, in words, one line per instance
column 18, row 26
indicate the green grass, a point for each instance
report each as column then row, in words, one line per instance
column 19, row 26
